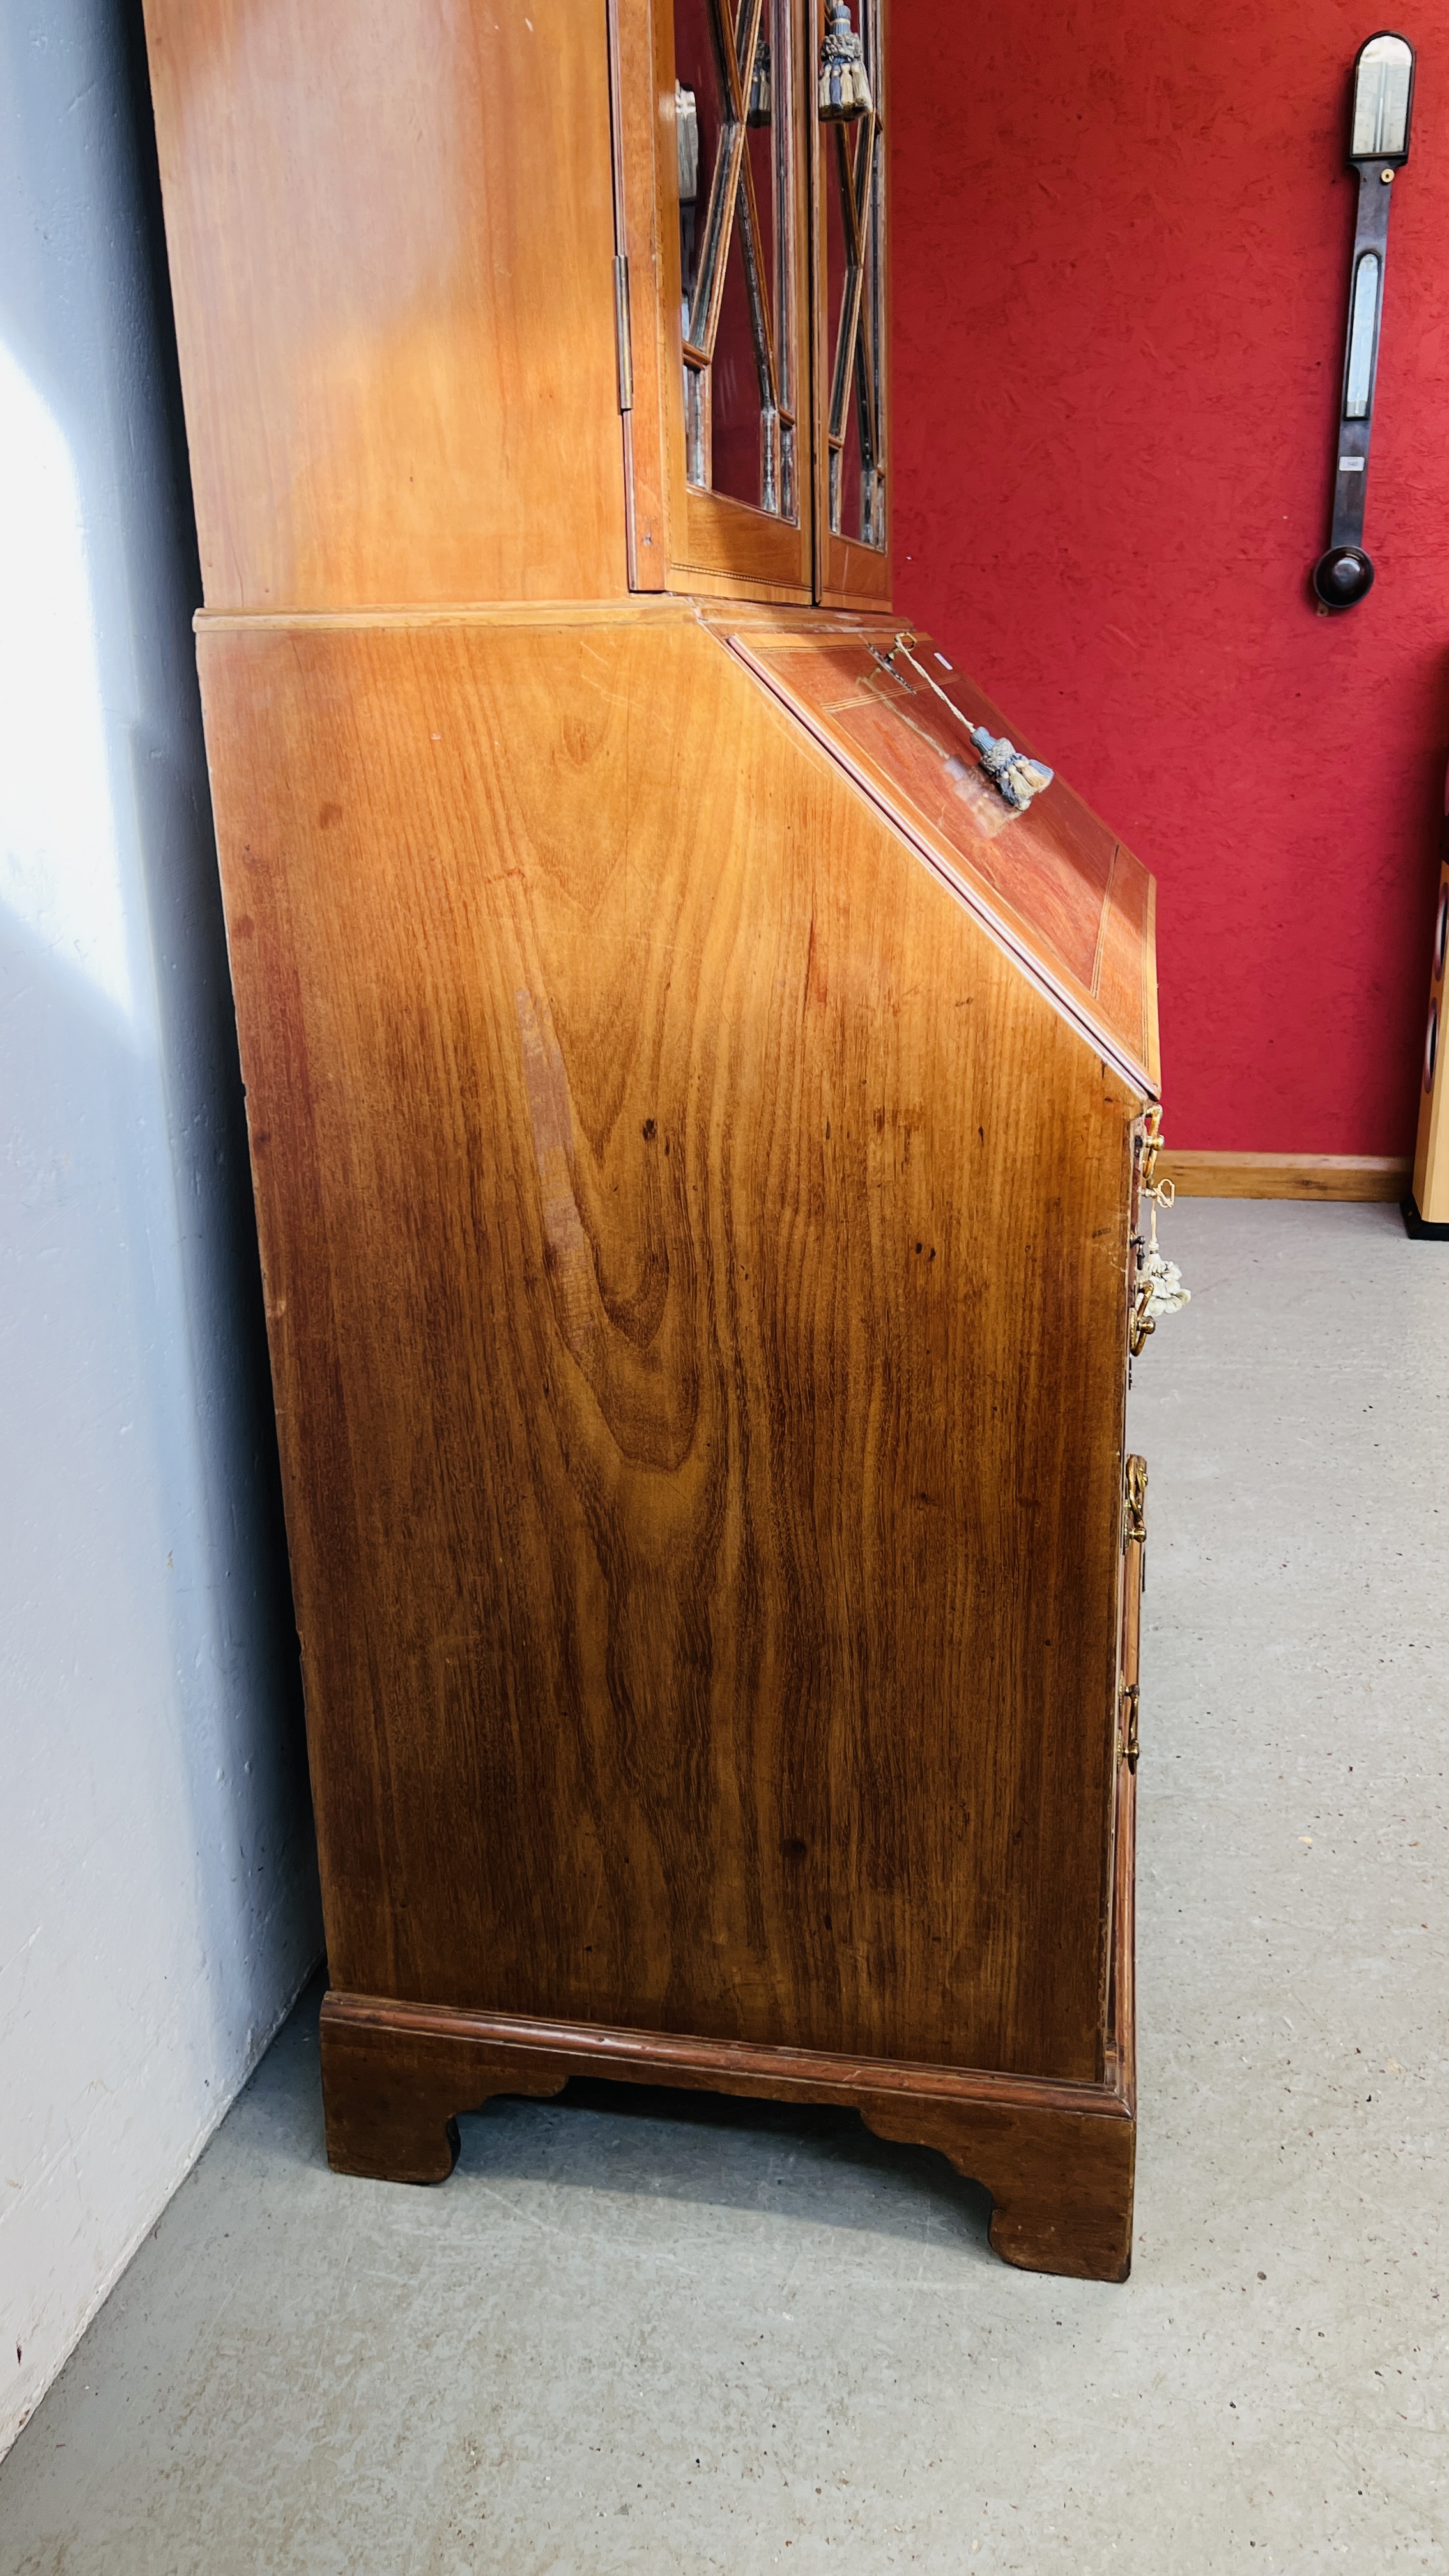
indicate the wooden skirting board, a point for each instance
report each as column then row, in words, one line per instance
column 1287, row 1176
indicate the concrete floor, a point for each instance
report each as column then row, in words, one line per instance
column 647, row 2334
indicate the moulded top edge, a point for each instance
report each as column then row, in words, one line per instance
column 656, row 607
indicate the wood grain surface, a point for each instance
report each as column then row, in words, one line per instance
column 391, row 240
column 696, row 1272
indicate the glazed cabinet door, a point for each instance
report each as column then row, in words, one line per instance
column 751, row 225
column 712, row 135
column 849, row 303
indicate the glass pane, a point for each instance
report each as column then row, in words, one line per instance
column 1361, row 338
column 845, row 484
column 738, row 454
column 1381, row 99
column 835, row 237
column 769, row 148
column 734, row 250
column 853, row 341
column 871, row 360
column 833, row 141
column 761, row 146
column 870, row 379
column 771, row 132
column 698, row 105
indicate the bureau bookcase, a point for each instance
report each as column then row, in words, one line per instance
column 698, row 1122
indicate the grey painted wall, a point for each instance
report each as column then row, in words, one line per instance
column 157, row 1881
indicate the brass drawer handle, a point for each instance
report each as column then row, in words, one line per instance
column 1158, row 1288
column 1135, row 1521
column 1129, row 1746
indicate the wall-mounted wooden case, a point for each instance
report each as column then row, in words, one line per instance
column 696, row 1123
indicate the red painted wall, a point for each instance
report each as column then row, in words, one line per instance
column 1121, row 247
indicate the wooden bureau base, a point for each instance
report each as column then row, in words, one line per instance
column 1057, row 2159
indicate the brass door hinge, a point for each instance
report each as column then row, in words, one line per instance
column 1127, row 1744
column 621, row 334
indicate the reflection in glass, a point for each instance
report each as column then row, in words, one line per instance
column 1359, row 385
column 845, row 502
column 1381, row 100
column 761, row 109
column 686, row 132
column 736, row 396
column 697, row 127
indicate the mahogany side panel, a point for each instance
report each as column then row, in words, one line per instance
column 391, row 243
column 696, row 1271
